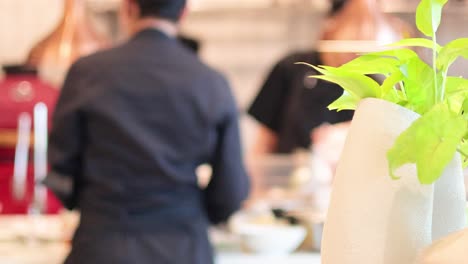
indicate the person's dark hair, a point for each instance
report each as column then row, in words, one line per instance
column 169, row 9
column 336, row 6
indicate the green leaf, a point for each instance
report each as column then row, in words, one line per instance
column 419, row 85
column 456, row 85
column 371, row 64
column 428, row 15
column 417, row 42
column 456, row 93
column 346, row 101
column 402, row 55
column 317, row 68
column 465, row 109
column 359, row 86
column 397, row 97
column 450, row 52
column 430, row 143
column 389, row 92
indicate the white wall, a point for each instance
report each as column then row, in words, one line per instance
column 22, row 22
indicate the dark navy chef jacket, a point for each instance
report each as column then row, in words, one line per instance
column 131, row 126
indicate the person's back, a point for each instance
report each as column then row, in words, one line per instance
column 152, row 120
column 131, row 126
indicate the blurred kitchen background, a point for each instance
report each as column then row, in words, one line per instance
column 241, row 38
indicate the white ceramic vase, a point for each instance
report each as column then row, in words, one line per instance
column 373, row 219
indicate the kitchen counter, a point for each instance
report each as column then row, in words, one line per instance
column 54, row 250
column 54, row 253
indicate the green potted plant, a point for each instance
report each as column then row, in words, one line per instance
column 399, row 182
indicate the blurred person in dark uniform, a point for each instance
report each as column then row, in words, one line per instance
column 130, row 128
column 290, row 106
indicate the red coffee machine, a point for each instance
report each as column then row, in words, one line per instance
column 25, row 101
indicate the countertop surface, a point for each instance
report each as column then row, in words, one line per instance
column 48, row 246
column 54, row 253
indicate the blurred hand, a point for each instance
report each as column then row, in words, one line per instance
column 328, row 141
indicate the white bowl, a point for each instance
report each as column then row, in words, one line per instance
column 267, row 239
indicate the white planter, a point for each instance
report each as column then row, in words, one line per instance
column 373, row 219
column 449, row 201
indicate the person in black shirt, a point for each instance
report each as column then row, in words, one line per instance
column 290, row 105
column 130, row 128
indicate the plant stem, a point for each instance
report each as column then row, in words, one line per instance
column 444, row 81
column 396, row 93
column 434, row 67
column 402, row 87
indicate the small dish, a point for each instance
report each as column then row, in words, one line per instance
column 265, row 234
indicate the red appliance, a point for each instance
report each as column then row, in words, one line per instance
column 20, row 91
